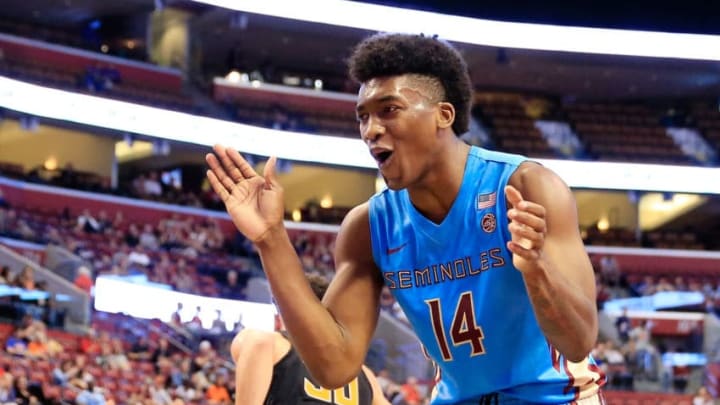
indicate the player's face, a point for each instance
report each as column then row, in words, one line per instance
column 398, row 122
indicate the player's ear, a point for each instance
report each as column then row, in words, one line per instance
column 445, row 114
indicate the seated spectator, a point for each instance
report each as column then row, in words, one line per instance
column 132, row 235
column 32, row 329
column 7, row 389
column 610, row 271
column 664, row 285
column 88, row 343
column 83, row 378
column 410, row 392
column 26, row 278
column 158, row 392
column 90, row 396
column 117, row 360
column 28, row 394
column 152, row 187
column 5, row 277
column 140, row 349
column 64, row 372
column 88, row 224
column 231, row 288
column 201, row 363
column 84, row 280
column 217, row 392
column 16, row 345
column 162, row 353
column 615, row 366
column 148, row 238
column 183, row 280
column 37, row 348
column 703, row 397
column 186, row 391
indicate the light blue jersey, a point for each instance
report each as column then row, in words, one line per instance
column 457, row 285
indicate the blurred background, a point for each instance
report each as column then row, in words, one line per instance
column 123, row 277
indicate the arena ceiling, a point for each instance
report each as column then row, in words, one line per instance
column 306, row 47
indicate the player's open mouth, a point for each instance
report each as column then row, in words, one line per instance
column 383, row 157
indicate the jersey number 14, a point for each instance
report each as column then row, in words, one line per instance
column 463, row 330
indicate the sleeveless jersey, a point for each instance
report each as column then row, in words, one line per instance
column 291, row 384
column 466, row 301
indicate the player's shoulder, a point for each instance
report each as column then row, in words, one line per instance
column 496, row 156
column 532, row 175
column 353, row 239
column 255, row 338
column 357, row 219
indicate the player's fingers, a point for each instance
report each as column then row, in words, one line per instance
column 531, row 207
column 220, row 174
column 217, row 187
column 269, row 173
column 528, row 219
column 240, row 163
column 228, row 165
column 520, row 232
column 513, row 195
column 527, row 254
column 215, row 165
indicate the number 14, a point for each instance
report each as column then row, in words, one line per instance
column 464, row 328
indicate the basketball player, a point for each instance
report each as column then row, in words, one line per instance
column 481, row 249
column 268, row 371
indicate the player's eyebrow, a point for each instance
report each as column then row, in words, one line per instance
column 382, row 99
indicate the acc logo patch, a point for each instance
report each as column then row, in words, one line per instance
column 488, row 222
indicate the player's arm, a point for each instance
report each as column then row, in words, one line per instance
column 331, row 337
column 548, row 250
column 253, row 354
column 378, row 395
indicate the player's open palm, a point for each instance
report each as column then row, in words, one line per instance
column 254, row 202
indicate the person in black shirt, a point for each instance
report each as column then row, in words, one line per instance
column 268, row 371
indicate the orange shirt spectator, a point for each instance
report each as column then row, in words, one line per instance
column 410, row 392
column 36, row 349
column 217, row 393
column 84, row 280
column 88, row 344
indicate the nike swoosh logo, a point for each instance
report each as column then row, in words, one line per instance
column 396, row 249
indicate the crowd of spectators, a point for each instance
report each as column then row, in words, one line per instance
column 123, row 362
column 190, row 255
column 24, row 296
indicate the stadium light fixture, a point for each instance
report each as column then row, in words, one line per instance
column 350, row 152
column 475, row 31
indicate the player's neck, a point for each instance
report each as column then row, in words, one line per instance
column 435, row 194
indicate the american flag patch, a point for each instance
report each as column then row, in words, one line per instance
column 486, row 200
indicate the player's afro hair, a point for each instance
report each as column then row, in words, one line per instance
column 383, row 55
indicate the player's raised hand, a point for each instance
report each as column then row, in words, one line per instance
column 254, row 202
column 527, row 229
